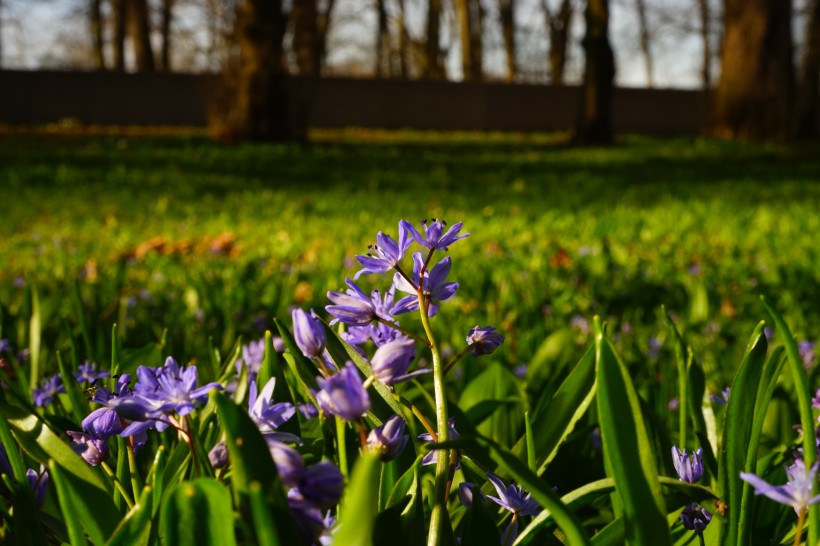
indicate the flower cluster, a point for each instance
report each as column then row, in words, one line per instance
column 690, row 469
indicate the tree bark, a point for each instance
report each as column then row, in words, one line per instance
column 433, row 62
column 95, row 22
column 476, row 40
column 506, row 9
column 403, row 40
column 809, row 76
column 558, row 28
column 1, row 33
column 755, row 92
column 165, row 32
column 258, row 99
column 140, row 28
column 646, row 50
column 595, row 126
column 706, row 63
column 304, row 15
column 120, row 19
column 383, row 50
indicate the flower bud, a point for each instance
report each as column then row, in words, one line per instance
column 389, row 439
column 308, row 332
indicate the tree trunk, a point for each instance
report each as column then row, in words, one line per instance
column 595, row 126
column 809, row 76
column 165, row 32
column 304, row 15
column 95, row 22
column 140, row 29
column 120, row 9
column 323, row 27
column 756, row 89
column 558, row 27
column 506, row 9
column 383, row 69
column 433, row 62
column 706, row 66
column 646, row 50
column 258, row 99
column 462, row 9
column 1, row 33
column 403, row 40
column 476, row 40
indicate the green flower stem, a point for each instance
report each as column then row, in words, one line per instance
column 798, row 535
column 443, row 457
column 132, row 466
column 188, row 431
column 456, row 358
column 417, row 412
column 341, row 440
column 118, row 485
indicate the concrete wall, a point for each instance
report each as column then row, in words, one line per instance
column 181, row 99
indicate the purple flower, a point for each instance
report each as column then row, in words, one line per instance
column 467, row 493
column 267, row 415
column 655, row 345
column 87, row 373
column 159, row 391
column 38, row 481
column 321, row 484
column 722, row 398
column 389, row 439
column 388, row 253
column 433, row 239
column 391, row 360
column 432, row 456
column 289, row 462
column 92, row 449
column 354, row 307
column 695, row 518
column 309, row 333
column 483, row 341
column 308, row 519
column 5, row 345
column 51, row 388
column 5, row 465
column 513, row 498
column 343, row 394
column 673, row 404
column 432, row 282
column 806, row 350
column 580, row 323
column 688, row 467
column 252, row 356
column 218, row 455
column 795, row 493
column 520, row 371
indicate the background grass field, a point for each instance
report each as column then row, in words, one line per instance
column 213, row 241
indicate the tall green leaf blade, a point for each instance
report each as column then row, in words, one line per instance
column 804, row 395
column 264, row 526
column 195, row 513
column 628, row 450
column 78, row 405
column 135, row 528
column 552, row 425
column 34, row 337
column 70, row 507
column 251, row 461
column 360, row 504
column 23, row 504
column 768, row 382
column 272, row 367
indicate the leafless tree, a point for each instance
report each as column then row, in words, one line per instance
column 595, row 126
column 809, row 84
column 166, row 18
column 119, row 19
column 433, row 61
column 646, row 50
column 755, row 93
column 96, row 29
column 140, row 30
column 558, row 28
column 706, row 63
column 506, row 9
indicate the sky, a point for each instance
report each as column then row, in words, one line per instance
column 44, row 33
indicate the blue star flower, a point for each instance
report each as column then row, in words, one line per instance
column 433, row 239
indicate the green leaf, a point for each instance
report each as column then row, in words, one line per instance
column 804, row 395
column 479, row 527
column 495, row 383
column 35, row 331
column 737, row 430
column 683, row 385
column 23, row 504
column 70, row 506
column 273, row 367
column 78, row 406
column 360, row 503
column 95, row 504
column 627, row 448
column 558, row 418
column 251, row 461
column 263, row 525
column 135, row 528
column 196, row 513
